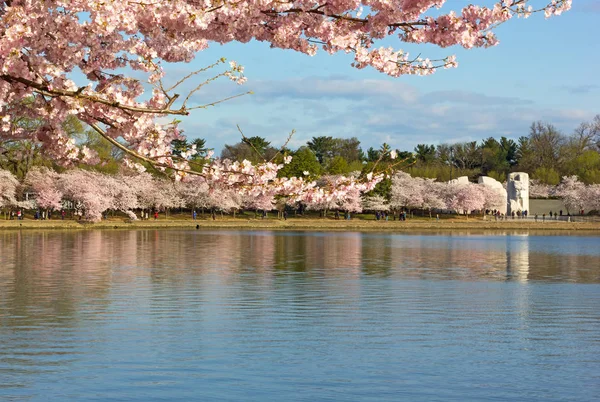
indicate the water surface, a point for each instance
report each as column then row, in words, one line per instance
column 253, row 316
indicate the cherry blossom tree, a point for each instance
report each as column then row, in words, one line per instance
column 493, row 199
column 44, row 183
column 8, row 189
column 337, row 192
column 375, row 203
column 540, row 190
column 45, row 46
column 125, row 196
column 432, row 195
column 89, row 192
column 572, row 192
column 264, row 202
column 465, row 198
column 592, row 197
column 406, row 192
column 194, row 193
column 157, row 194
column 350, row 201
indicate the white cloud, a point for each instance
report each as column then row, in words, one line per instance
column 377, row 111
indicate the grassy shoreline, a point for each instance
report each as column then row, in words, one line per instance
column 306, row 224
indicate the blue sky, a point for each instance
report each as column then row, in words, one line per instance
column 541, row 70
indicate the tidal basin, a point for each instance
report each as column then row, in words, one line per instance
column 229, row 315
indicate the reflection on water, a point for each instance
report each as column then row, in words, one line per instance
column 154, row 314
column 43, row 258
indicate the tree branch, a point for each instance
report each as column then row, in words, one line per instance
column 43, row 89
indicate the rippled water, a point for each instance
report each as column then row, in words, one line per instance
column 240, row 316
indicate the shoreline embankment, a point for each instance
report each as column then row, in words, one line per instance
column 306, row 224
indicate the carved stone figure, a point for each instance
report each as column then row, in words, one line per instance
column 497, row 186
column 517, row 187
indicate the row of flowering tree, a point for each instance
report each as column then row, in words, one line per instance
column 93, row 193
column 427, row 194
column 222, row 185
column 408, row 193
column 575, row 195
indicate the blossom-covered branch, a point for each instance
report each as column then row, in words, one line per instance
column 46, row 44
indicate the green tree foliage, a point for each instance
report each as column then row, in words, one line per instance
column 338, row 165
column 19, row 156
column 383, row 188
column 260, row 144
column 466, row 155
column 497, row 156
column 303, row 160
column 254, row 149
column 545, row 153
column 330, row 151
column 546, row 175
column 543, row 148
column 425, row 153
column 109, row 155
column 322, row 147
column 197, row 160
column 372, row 154
column 180, row 146
column 585, row 165
column 348, row 149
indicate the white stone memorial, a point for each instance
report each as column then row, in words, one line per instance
column 497, row 186
column 517, row 188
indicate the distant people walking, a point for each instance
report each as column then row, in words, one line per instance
column 155, row 215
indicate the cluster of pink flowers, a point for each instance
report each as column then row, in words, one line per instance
column 45, row 45
column 8, row 189
column 540, row 190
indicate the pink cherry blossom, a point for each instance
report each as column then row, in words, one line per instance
column 540, row 190
column 406, row 192
column 8, row 189
column 84, row 58
column 572, row 192
column 44, row 184
column 466, row 198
